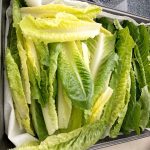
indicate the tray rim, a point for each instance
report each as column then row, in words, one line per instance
column 99, row 144
column 116, row 11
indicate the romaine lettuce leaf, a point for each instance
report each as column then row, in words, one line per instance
column 24, row 72
column 65, row 27
column 104, row 46
column 144, row 49
column 118, row 123
column 103, row 61
column 98, row 107
column 43, row 61
column 21, row 51
column 18, row 95
column 106, row 23
column 132, row 118
column 38, row 120
column 12, row 42
column 75, row 76
column 142, row 68
column 141, row 37
column 64, row 107
column 116, row 104
column 145, row 107
column 76, row 119
column 84, row 137
column 35, row 108
column 50, row 11
column 49, row 110
column 103, row 75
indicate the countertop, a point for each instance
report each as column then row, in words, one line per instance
column 141, row 144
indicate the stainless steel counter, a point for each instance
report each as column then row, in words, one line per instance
column 137, row 7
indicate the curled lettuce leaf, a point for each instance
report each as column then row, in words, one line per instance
column 65, row 27
column 50, row 11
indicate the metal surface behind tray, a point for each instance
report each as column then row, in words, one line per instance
column 5, row 143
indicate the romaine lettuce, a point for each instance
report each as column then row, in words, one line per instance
column 50, row 11
column 75, row 76
column 64, row 27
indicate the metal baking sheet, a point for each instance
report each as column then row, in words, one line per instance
column 4, row 142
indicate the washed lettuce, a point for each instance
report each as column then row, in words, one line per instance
column 35, row 108
column 21, row 51
column 49, row 110
column 17, row 73
column 50, row 11
column 64, row 107
column 132, row 118
column 77, row 79
column 64, row 27
column 98, row 107
column 106, row 23
column 141, row 68
column 118, row 99
column 18, row 95
column 75, row 76
column 102, row 63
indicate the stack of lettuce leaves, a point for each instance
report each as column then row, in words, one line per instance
column 75, row 78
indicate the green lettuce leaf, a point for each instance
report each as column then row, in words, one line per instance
column 43, row 61
column 103, row 61
column 64, row 107
column 141, row 37
column 34, row 63
column 12, row 42
column 24, row 71
column 38, row 120
column 106, row 23
column 35, row 108
column 47, row 59
column 104, row 46
column 50, row 11
column 144, row 49
column 84, row 137
column 49, row 110
column 65, row 27
column 18, row 95
column 118, row 123
column 76, row 119
column 142, row 68
column 103, row 75
column 145, row 107
column 116, row 104
column 132, row 118
column 98, row 107
column 21, row 51
column 75, row 76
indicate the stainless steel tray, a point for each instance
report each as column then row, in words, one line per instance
column 4, row 142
